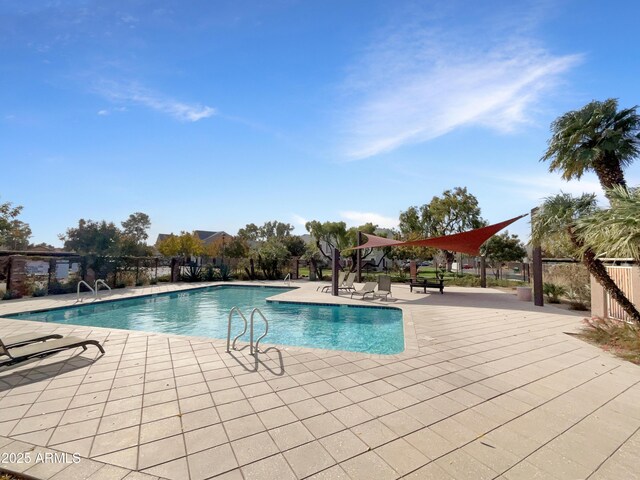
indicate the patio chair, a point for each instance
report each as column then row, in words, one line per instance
column 19, row 354
column 367, row 288
column 384, row 287
column 26, row 338
column 348, row 283
column 341, row 277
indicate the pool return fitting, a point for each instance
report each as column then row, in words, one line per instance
column 252, row 348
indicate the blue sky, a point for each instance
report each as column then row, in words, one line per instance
column 214, row 114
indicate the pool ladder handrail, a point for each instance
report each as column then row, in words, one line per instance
column 287, row 279
column 97, row 284
column 88, row 286
column 229, row 344
column 266, row 330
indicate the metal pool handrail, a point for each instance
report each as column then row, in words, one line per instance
column 97, row 286
column 88, row 286
column 287, row 279
column 233, row 345
column 266, row 330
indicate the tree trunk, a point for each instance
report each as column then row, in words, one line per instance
column 599, row 272
column 609, row 172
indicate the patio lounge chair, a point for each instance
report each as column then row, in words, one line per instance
column 341, row 278
column 19, row 354
column 26, row 338
column 367, row 288
column 348, row 283
column 384, row 287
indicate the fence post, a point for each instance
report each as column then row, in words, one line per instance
column 335, row 265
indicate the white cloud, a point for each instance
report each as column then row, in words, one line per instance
column 418, row 83
column 135, row 94
column 360, row 218
column 537, row 187
column 103, row 112
column 299, row 220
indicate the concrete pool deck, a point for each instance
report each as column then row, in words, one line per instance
column 488, row 387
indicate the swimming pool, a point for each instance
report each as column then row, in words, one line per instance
column 204, row 313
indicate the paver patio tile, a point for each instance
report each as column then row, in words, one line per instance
column 272, row 467
column 368, row 466
column 173, row 470
column 113, row 441
column 204, row 438
column 254, row 448
column 45, row 470
column 432, row 471
column 555, row 464
column 229, row 411
column 256, row 389
column 160, row 451
column 82, row 446
column 158, row 412
column 265, row 402
column 109, row 472
column 352, row 415
column 127, row 458
column 308, row 459
column 277, row 417
column 167, row 427
column 343, row 445
column 211, row 462
column 307, row 408
column 126, row 392
column 81, row 414
column 123, row 405
column 118, row 421
column 526, row 471
column 243, row 426
column 401, row 423
column 162, row 396
column 493, row 456
column 323, row 425
column 293, row 395
column 40, row 422
column 74, row 431
column 48, row 407
column 460, row 465
column 227, row 396
column 401, row 456
column 291, row 435
column 78, row 471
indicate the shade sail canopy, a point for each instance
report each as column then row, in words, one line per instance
column 465, row 242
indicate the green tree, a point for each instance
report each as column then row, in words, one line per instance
column 562, row 213
column 136, row 226
column 456, row 211
column 503, row 248
column 614, row 231
column 272, row 258
column 93, row 238
column 14, row 233
column 598, row 138
column 255, row 233
column 330, row 235
column 184, row 245
column 295, row 244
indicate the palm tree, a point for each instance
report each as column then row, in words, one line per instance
column 614, row 232
column 562, row 213
column 597, row 137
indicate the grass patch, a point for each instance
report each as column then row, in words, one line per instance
column 620, row 338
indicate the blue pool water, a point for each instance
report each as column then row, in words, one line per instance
column 204, row 313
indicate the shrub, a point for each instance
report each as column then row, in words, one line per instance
column 57, row 288
column 192, row 273
column 39, row 292
column 163, row 278
column 153, row 281
column 11, row 296
column 553, row 292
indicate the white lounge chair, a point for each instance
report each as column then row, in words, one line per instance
column 367, row 288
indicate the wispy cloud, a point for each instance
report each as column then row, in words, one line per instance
column 537, row 187
column 299, row 220
column 420, row 82
column 360, row 218
column 134, row 94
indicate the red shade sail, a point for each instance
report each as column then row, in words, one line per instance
column 465, row 242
